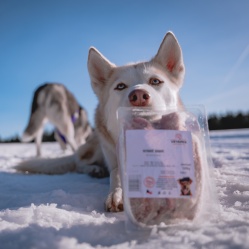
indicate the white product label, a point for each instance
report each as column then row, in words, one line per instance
column 159, row 164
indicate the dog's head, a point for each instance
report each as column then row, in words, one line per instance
column 185, row 185
column 154, row 83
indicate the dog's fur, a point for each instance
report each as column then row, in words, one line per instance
column 53, row 102
column 153, row 84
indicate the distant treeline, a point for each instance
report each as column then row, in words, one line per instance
column 228, row 121
column 215, row 122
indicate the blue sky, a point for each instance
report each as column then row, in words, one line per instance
column 48, row 41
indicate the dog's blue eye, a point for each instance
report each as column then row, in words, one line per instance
column 155, row 81
column 120, row 86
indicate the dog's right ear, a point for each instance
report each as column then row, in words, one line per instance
column 170, row 57
column 99, row 69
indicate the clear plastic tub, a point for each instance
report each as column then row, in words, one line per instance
column 164, row 160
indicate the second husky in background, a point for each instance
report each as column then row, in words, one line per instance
column 53, row 102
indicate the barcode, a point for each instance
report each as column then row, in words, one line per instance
column 134, row 183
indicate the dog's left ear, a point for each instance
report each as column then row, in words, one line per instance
column 170, row 57
column 99, row 69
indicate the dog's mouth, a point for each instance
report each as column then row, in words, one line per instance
column 185, row 190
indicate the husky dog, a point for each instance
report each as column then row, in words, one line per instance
column 150, row 84
column 53, row 102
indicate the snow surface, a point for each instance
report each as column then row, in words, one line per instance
column 67, row 211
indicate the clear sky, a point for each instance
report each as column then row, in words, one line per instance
column 48, row 41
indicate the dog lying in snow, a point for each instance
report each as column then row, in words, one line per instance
column 55, row 103
column 148, row 84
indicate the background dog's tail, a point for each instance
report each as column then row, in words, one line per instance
column 36, row 123
column 50, row 166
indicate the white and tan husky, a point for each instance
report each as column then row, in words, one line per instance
column 53, row 102
column 153, row 83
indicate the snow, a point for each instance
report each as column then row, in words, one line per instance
column 67, row 211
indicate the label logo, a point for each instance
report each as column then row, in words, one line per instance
column 178, row 139
column 178, row 136
column 149, row 182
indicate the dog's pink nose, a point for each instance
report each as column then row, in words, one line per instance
column 139, row 97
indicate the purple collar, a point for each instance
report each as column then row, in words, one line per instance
column 74, row 118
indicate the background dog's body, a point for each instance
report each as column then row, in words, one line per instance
column 153, row 84
column 54, row 103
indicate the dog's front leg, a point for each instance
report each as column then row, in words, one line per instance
column 114, row 201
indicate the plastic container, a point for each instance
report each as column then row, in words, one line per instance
column 164, row 160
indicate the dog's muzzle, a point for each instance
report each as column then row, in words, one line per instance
column 139, row 97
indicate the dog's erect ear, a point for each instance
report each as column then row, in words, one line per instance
column 99, row 69
column 170, row 57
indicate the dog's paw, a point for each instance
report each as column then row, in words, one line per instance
column 93, row 170
column 114, row 201
column 99, row 172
